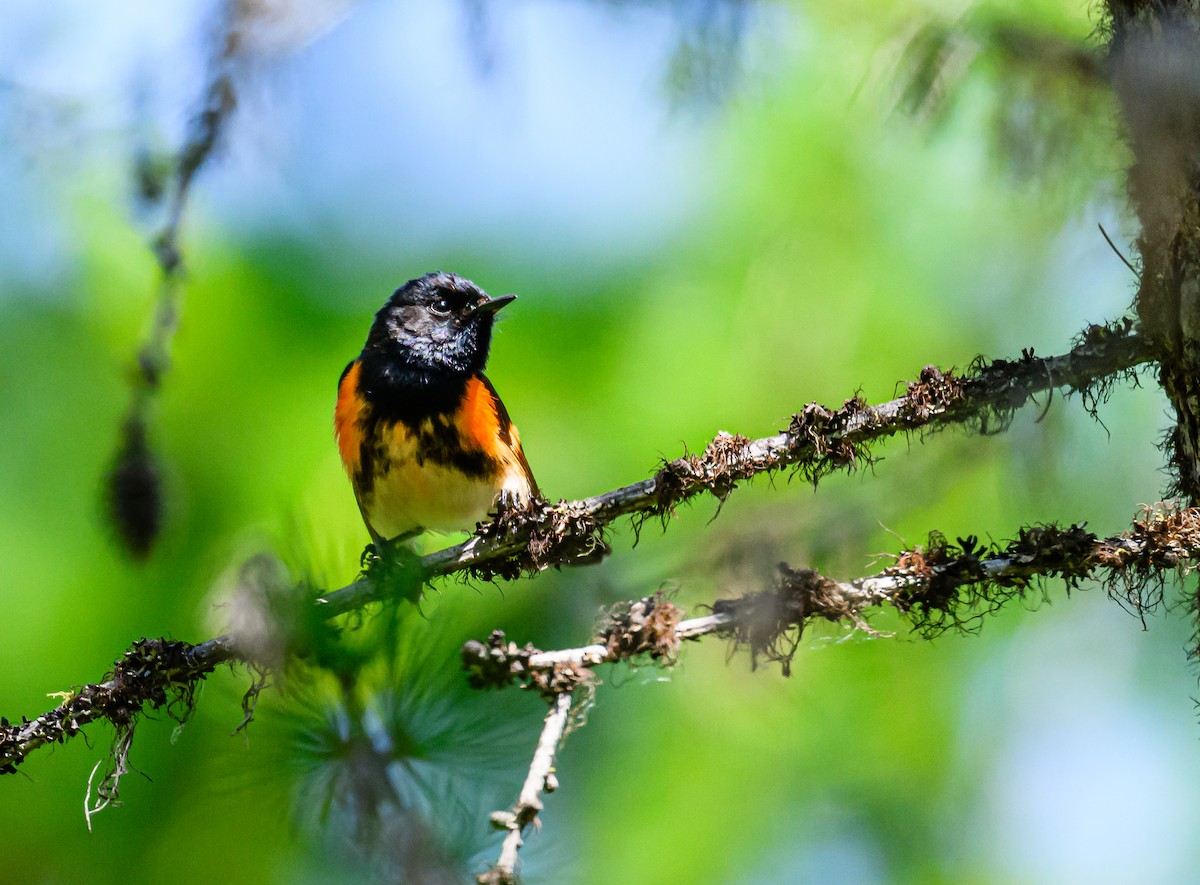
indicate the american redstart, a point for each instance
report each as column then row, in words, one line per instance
column 423, row 435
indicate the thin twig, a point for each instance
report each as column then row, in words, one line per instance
column 134, row 484
column 1118, row 252
column 540, row 779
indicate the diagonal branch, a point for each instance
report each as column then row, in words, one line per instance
column 817, row 441
column 937, row 586
column 153, row 673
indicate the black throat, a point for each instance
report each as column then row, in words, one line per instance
column 400, row 391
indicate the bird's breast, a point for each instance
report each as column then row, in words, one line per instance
column 428, row 480
column 442, row 471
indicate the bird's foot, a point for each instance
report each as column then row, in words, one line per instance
column 394, row 562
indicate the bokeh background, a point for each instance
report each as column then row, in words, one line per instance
column 713, row 212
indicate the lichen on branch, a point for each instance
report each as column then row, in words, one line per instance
column 938, row 586
column 522, row 541
column 817, row 441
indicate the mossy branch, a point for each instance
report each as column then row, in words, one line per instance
column 938, row 586
column 153, row 673
column 817, row 442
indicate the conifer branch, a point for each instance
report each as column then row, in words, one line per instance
column 937, row 586
column 817, row 441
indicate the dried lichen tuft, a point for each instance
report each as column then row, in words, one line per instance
column 931, row 394
column 499, row 662
column 821, row 440
column 1101, row 339
column 1165, row 538
column 725, row 462
column 644, row 627
column 565, row 533
column 771, row 623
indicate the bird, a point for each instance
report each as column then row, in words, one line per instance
column 425, row 439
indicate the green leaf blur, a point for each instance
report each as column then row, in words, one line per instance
column 837, row 245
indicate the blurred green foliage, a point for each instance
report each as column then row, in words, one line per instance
column 842, row 246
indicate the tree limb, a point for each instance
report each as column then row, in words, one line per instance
column 936, row 586
column 817, row 441
column 153, row 672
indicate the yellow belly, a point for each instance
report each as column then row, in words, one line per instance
column 412, row 496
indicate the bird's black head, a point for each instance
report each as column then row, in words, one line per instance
column 439, row 323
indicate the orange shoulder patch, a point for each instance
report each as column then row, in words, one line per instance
column 479, row 417
column 345, row 418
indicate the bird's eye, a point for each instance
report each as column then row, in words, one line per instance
column 440, row 308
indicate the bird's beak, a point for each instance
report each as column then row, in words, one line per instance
column 492, row 305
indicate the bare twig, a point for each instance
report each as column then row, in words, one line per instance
column 540, row 780
column 1119, row 253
